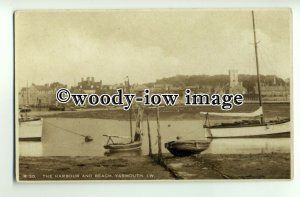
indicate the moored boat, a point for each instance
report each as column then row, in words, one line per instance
column 56, row 108
column 25, row 108
column 125, row 146
column 248, row 128
column 132, row 144
column 30, row 129
column 182, row 148
column 135, row 142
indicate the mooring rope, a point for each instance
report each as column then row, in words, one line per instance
column 65, row 129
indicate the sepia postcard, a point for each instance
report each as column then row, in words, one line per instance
column 158, row 94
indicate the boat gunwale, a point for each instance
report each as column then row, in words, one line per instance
column 244, row 125
column 188, row 142
column 124, row 146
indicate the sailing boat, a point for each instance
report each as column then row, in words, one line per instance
column 30, row 127
column 248, row 128
column 25, row 108
column 135, row 141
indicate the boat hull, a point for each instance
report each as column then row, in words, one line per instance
column 268, row 130
column 124, row 146
column 186, row 147
column 31, row 130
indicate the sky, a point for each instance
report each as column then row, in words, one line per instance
column 148, row 44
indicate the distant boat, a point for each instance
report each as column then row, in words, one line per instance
column 248, row 128
column 135, row 142
column 182, row 148
column 56, row 108
column 25, row 108
column 30, row 127
column 122, row 146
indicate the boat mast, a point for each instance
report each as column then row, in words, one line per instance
column 27, row 102
column 27, row 93
column 130, row 114
column 257, row 66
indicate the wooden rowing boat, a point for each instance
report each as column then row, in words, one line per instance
column 182, row 148
column 124, row 146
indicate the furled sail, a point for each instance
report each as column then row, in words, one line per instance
column 256, row 113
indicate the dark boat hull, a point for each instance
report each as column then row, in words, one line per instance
column 25, row 110
column 187, row 147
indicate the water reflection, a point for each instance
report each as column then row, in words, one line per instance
column 126, row 153
column 30, row 148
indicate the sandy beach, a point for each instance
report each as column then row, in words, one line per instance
column 208, row 166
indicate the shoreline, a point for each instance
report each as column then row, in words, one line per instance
column 271, row 111
column 201, row 167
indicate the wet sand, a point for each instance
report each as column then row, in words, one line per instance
column 208, row 166
column 231, row 166
column 91, row 168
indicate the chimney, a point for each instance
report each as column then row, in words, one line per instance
column 93, row 79
column 88, row 79
column 82, row 79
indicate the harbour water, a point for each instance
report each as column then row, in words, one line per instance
column 58, row 139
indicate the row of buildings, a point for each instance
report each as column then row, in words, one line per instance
column 274, row 92
column 44, row 95
column 39, row 95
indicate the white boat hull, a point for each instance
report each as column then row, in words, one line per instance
column 31, row 130
column 280, row 129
